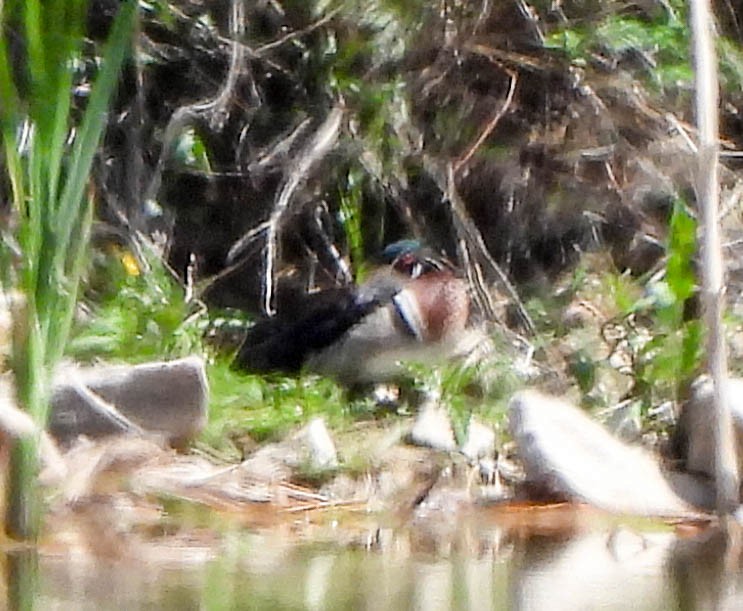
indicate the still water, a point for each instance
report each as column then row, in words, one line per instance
column 483, row 564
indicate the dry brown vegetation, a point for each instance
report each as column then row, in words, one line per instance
column 467, row 126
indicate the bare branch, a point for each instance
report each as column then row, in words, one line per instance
column 216, row 108
column 491, row 125
column 296, row 34
column 321, row 143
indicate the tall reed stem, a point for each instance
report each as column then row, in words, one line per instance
column 707, row 100
column 44, row 257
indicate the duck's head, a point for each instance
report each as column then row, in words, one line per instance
column 411, row 258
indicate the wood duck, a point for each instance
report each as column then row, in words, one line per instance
column 414, row 309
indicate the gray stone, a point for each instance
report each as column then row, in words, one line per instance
column 162, row 398
column 311, row 446
column 694, row 436
column 567, row 453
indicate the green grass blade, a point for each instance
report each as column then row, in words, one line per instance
column 71, row 14
column 94, row 121
column 74, row 208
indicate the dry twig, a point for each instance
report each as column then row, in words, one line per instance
column 491, row 125
column 216, row 108
column 321, row 143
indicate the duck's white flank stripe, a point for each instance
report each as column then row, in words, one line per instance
column 407, row 307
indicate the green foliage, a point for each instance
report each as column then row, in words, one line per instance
column 650, row 343
column 48, row 177
column 663, row 42
column 161, row 10
column 351, row 217
column 731, row 64
column 672, row 355
column 189, row 151
column 583, row 369
column 267, row 407
column 358, row 57
column 480, row 390
column 139, row 314
column 623, row 291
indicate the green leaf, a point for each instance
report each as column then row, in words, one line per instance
column 190, row 151
column 681, row 249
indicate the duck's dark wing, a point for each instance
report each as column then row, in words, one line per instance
column 283, row 344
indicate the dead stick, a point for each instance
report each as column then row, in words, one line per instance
column 705, row 65
column 490, row 126
column 319, row 145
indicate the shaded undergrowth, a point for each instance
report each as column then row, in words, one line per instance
column 545, row 151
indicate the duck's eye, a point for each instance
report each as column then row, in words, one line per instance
column 407, row 263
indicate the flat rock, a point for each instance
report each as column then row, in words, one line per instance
column 165, row 398
column 567, row 453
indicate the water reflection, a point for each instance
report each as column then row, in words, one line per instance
column 486, row 567
column 21, row 573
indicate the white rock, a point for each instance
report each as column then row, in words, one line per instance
column 322, row 452
column 480, row 441
column 432, row 428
